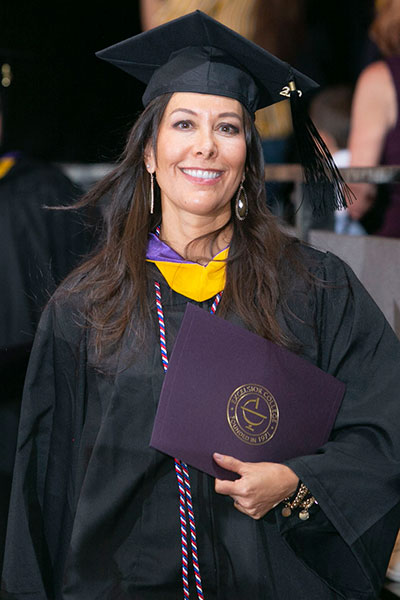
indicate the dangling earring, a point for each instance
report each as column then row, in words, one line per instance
column 151, row 193
column 241, row 203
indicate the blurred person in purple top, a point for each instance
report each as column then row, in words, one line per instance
column 375, row 123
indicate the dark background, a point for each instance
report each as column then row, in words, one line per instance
column 66, row 105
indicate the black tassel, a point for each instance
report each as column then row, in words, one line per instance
column 324, row 187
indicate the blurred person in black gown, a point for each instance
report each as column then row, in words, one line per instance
column 38, row 249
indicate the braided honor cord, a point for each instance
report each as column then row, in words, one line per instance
column 182, row 475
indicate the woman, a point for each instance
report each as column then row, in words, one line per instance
column 375, row 127
column 95, row 509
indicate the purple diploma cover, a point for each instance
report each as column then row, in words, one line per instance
column 231, row 391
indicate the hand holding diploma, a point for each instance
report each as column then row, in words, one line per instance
column 246, row 396
column 261, row 486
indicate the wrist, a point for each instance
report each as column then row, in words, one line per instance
column 290, row 481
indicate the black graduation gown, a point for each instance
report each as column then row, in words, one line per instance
column 94, row 510
column 38, row 248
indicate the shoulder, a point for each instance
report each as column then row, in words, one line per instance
column 327, row 287
column 311, row 281
column 36, row 178
column 376, row 79
column 329, row 274
column 376, row 72
column 303, row 267
column 375, row 91
column 64, row 316
column 322, row 265
column 339, row 298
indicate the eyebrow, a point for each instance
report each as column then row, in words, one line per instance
column 221, row 115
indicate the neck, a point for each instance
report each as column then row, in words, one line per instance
column 179, row 233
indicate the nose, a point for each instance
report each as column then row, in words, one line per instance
column 205, row 144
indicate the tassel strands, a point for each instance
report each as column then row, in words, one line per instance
column 325, row 188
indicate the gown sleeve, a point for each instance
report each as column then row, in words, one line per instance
column 355, row 476
column 42, row 497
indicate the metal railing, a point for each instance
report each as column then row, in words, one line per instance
column 293, row 173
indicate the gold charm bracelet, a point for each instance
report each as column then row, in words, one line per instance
column 302, row 500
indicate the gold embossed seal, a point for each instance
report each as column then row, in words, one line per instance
column 253, row 414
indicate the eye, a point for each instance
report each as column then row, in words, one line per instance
column 184, row 124
column 228, row 128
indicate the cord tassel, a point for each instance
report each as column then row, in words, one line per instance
column 325, row 187
column 182, row 472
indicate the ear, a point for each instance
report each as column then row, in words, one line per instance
column 149, row 158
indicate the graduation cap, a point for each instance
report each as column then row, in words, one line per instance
column 196, row 53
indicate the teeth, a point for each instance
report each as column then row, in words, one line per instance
column 202, row 174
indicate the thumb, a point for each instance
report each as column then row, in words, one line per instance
column 229, row 462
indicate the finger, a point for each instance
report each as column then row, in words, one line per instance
column 225, row 487
column 240, row 508
column 229, row 463
column 236, row 504
column 252, row 513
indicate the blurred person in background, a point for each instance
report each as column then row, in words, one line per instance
column 330, row 111
column 375, row 125
column 38, row 249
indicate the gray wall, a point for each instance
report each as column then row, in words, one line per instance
column 375, row 261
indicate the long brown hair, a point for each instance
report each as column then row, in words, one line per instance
column 385, row 28
column 114, row 281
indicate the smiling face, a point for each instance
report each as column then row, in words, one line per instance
column 201, row 154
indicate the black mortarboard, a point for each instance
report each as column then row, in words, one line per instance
column 196, row 53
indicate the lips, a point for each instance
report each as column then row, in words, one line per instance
column 202, row 173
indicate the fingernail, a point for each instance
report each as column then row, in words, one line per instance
column 218, row 456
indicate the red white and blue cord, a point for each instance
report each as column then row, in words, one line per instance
column 182, row 475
